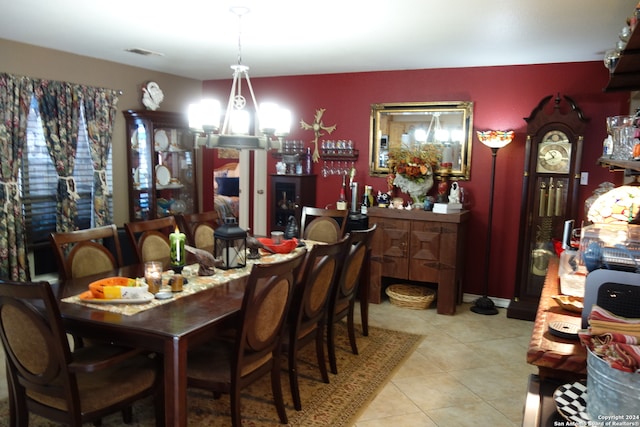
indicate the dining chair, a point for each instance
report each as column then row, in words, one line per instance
column 82, row 253
column 229, row 365
column 150, row 238
column 323, row 225
column 308, row 313
column 71, row 387
column 341, row 303
column 199, row 228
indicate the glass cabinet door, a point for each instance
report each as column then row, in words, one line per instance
column 141, row 170
column 174, row 171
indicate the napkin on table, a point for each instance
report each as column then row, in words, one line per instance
column 615, row 339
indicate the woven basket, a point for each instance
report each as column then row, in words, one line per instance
column 414, row 297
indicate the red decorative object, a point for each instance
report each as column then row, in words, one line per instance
column 283, row 248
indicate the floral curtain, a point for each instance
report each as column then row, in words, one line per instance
column 15, row 98
column 60, row 111
column 100, row 114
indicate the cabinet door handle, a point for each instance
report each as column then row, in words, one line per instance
column 260, row 191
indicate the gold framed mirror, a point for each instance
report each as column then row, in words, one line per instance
column 441, row 127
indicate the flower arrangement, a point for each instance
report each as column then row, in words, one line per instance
column 411, row 169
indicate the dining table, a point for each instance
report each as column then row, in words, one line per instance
column 166, row 327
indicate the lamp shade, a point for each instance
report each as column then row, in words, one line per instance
column 618, row 206
column 205, row 115
column 495, row 138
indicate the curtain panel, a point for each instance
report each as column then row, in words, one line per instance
column 100, row 115
column 59, row 105
column 15, row 98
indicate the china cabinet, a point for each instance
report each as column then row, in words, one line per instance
column 289, row 193
column 419, row 246
column 161, row 165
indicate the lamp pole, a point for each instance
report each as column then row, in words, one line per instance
column 484, row 304
column 495, row 140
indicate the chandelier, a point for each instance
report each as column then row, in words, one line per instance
column 272, row 123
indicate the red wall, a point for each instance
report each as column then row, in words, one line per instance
column 502, row 97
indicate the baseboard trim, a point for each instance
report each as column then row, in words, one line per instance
column 499, row 302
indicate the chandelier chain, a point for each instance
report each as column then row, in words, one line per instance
column 239, row 38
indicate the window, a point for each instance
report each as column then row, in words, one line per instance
column 39, row 181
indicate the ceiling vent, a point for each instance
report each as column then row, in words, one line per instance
column 143, row 52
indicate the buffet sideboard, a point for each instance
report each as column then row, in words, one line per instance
column 419, row 246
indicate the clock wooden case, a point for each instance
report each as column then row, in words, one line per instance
column 555, row 134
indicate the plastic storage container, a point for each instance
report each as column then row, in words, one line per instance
column 611, row 246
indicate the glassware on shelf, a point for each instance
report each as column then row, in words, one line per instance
column 623, row 132
column 611, row 58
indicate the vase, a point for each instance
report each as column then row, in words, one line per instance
column 418, row 198
column 416, row 189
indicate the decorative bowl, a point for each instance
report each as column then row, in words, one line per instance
column 570, row 303
column 284, row 247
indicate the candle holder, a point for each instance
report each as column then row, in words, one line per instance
column 153, row 275
column 230, row 243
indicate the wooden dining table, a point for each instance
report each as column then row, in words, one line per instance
column 170, row 329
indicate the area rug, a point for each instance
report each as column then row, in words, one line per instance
column 339, row 403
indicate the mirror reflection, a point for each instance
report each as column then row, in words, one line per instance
column 443, row 128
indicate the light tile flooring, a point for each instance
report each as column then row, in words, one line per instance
column 470, row 370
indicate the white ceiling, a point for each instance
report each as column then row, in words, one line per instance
column 199, row 38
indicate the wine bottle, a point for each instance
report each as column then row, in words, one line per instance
column 342, row 200
column 366, row 201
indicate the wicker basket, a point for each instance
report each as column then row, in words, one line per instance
column 414, row 297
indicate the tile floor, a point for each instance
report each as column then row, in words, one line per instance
column 470, row 370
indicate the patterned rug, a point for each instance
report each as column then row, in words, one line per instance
column 338, row 403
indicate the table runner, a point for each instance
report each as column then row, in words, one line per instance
column 195, row 284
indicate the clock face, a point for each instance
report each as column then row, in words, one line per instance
column 554, row 153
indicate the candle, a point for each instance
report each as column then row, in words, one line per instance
column 177, row 241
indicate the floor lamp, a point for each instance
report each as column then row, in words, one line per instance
column 494, row 139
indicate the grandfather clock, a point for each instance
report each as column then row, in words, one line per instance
column 555, row 133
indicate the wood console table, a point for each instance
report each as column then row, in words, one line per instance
column 559, row 361
column 420, row 246
column 555, row 357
